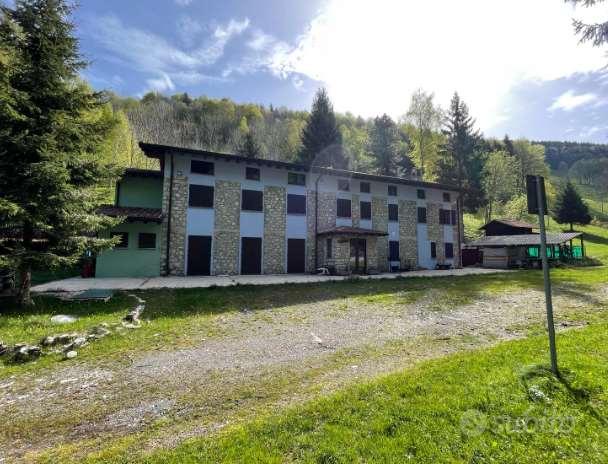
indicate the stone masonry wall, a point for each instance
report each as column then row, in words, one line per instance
column 327, row 210
column 274, row 230
column 226, row 237
column 380, row 222
column 408, row 249
column 179, row 209
column 310, row 231
column 355, row 211
column 372, row 254
column 435, row 230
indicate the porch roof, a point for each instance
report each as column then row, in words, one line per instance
column 132, row 213
column 352, row 231
column 524, row 240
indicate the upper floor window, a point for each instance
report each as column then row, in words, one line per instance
column 343, row 208
column 253, row 200
column 296, row 204
column 202, row 167
column 343, row 185
column 294, row 178
column 445, row 216
column 201, row 196
column 365, row 187
column 252, row 173
column 421, row 215
column 392, row 190
column 393, row 212
column 146, row 240
column 446, row 197
column 453, row 217
column 365, row 209
column 124, row 239
column 421, row 194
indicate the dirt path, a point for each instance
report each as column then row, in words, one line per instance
column 263, row 361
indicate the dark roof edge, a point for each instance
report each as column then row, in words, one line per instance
column 137, row 172
column 153, row 150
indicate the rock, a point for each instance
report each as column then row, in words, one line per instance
column 63, row 319
column 71, row 354
column 133, row 315
column 3, row 349
column 25, row 353
column 65, row 338
column 49, row 340
column 100, row 331
column 80, row 341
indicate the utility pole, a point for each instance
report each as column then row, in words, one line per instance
column 537, row 203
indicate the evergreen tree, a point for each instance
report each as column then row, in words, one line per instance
column 321, row 138
column 249, row 147
column 508, row 143
column 384, row 145
column 461, row 162
column 570, row 208
column 49, row 167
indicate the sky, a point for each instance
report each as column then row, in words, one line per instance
column 517, row 63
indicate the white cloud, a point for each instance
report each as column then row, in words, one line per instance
column 161, row 84
column 373, row 54
column 183, row 2
column 568, row 100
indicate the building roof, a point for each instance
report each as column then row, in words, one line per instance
column 523, row 239
column 156, row 151
column 132, row 213
column 136, row 172
column 346, row 230
column 512, row 223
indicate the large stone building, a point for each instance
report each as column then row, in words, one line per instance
column 208, row 213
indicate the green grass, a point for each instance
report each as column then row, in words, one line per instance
column 464, row 408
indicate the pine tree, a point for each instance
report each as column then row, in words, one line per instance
column 249, row 147
column 321, row 138
column 461, row 162
column 383, row 145
column 50, row 133
column 570, row 208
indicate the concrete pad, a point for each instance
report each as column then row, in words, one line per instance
column 78, row 284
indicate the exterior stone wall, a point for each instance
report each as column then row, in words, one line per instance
column 275, row 224
column 408, row 249
column 372, row 254
column 380, row 222
column 457, row 237
column 355, row 211
column 226, row 237
column 341, row 255
column 310, row 232
column 327, row 210
column 179, row 210
column 435, row 230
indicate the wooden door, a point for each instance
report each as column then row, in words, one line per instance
column 199, row 255
column 251, row 255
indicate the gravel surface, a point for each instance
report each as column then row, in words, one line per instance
column 201, row 388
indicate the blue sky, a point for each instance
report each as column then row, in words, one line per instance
column 517, row 64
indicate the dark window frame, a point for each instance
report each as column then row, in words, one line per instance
column 208, row 170
column 328, row 248
column 194, row 192
column 361, row 210
column 254, row 201
column 340, row 212
column 393, row 212
column 367, row 189
column 124, row 240
column 421, row 215
column 256, row 173
column 392, row 191
column 291, row 197
column 446, row 197
column 421, row 194
column 449, row 250
column 344, row 185
column 392, row 244
column 296, row 178
column 445, row 217
column 147, row 235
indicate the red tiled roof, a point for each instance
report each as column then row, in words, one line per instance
column 345, row 230
column 132, row 213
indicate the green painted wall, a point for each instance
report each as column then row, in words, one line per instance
column 131, row 261
column 144, row 192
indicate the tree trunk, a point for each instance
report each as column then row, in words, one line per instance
column 24, row 297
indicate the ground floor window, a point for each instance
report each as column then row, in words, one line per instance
column 393, row 250
column 328, row 248
column 433, row 250
column 449, row 250
column 146, row 240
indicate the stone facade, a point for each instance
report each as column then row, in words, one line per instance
column 327, row 210
column 226, row 237
column 408, row 249
column 341, row 255
column 310, row 231
column 372, row 254
column 275, row 224
column 355, row 211
column 435, row 230
column 380, row 222
column 179, row 209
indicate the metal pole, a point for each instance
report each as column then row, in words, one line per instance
column 547, row 277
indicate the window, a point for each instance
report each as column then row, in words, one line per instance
column 393, row 250
column 201, row 196
column 421, row 194
column 453, row 217
column 343, row 208
column 343, row 185
column 252, row 174
column 393, row 212
column 202, row 167
column 296, row 179
column 445, row 216
column 433, row 250
column 296, row 204
column 449, row 250
column 146, row 240
column 328, row 248
column 421, row 215
column 392, row 190
column 446, row 197
column 365, row 208
column 124, row 239
column 365, row 187
column 253, row 200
